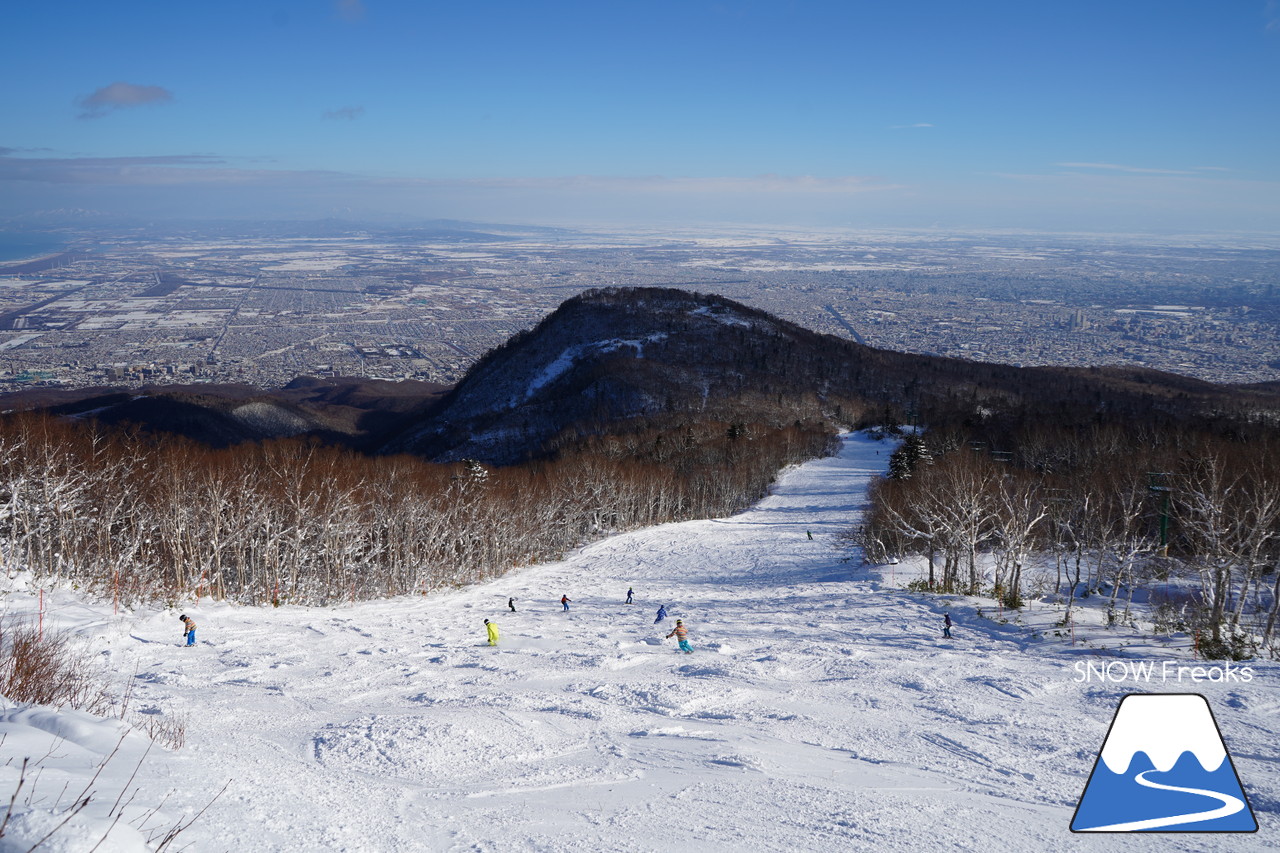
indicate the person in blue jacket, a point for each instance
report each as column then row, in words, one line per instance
column 630, row 593
column 662, row 614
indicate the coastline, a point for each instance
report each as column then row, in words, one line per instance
column 36, row 263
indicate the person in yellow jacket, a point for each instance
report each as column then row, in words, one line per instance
column 493, row 632
column 681, row 633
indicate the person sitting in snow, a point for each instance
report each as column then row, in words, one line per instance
column 492, row 628
column 188, row 629
column 662, row 614
column 682, row 634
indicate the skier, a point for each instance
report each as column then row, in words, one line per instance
column 662, row 614
column 492, row 627
column 946, row 626
column 511, row 602
column 564, row 601
column 630, row 593
column 682, row 634
column 188, row 629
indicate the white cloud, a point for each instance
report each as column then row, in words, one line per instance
column 119, row 96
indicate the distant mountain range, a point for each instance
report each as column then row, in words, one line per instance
column 65, row 223
column 609, row 359
column 340, row 411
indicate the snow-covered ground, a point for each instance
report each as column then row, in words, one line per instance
column 821, row 709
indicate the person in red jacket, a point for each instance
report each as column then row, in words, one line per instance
column 564, row 601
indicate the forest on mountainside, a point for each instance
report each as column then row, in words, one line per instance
column 631, row 407
column 140, row 517
column 1187, row 518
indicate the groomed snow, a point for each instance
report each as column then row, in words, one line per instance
column 821, row 709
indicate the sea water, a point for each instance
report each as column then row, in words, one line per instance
column 24, row 245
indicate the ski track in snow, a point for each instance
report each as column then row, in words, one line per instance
column 821, row 710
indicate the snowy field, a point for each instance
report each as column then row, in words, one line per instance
column 821, row 710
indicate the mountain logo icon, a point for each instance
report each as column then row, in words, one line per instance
column 1164, row 768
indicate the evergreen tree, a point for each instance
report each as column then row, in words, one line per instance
column 910, row 454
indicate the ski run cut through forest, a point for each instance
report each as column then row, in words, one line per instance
column 821, row 709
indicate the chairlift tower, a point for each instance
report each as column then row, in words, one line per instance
column 1158, row 484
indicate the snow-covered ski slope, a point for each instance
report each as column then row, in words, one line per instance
column 820, row 711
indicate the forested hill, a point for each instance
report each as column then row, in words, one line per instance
column 636, row 355
column 614, row 356
column 631, row 360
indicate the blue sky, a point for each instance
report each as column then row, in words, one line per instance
column 1094, row 116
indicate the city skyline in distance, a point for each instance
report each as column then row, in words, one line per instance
column 1143, row 118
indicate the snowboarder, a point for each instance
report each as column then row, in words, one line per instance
column 188, row 629
column 946, row 626
column 492, row 628
column 681, row 633
column 564, row 602
column 511, row 602
column 630, row 593
column 662, row 614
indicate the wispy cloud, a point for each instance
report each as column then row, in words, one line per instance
column 205, row 185
column 1117, row 167
column 1192, row 171
column 1272, row 15
column 909, row 126
column 349, row 10
column 344, row 113
column 658, row 184
column 205, row 169
column 168, row 168
column 120, row 96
